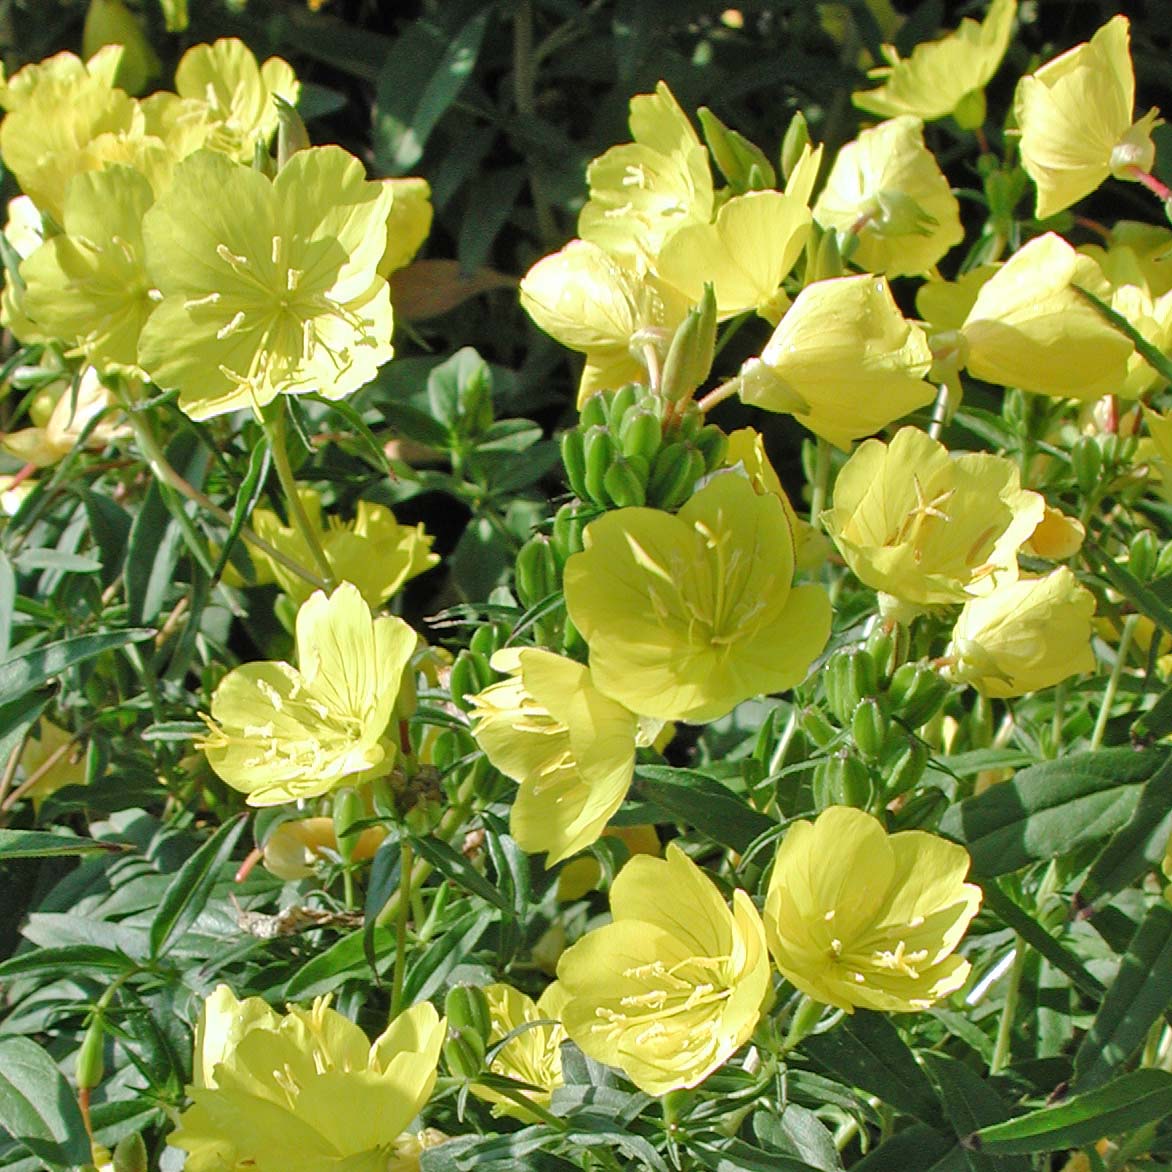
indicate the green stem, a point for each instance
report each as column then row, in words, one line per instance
column 821, row 482
column 1001, row 1047
column 406, row 862
column 525, row 99
column 722, row 392
column 1113, row 682
column 274, row 429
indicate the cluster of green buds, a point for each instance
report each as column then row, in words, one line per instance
column 874, row 754
column 635, row 447
column 469, row 1029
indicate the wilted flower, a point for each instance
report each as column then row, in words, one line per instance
column 844, row 361
column 61, row 413
column 374, row 552
column 294, row 848
column 674, row 986
column 599, row 305
column 533, row 1055
column 943, row 77
column 269, row 287
column 861, row 919
column 1023, row 636
column 89, row 286
column 306, row 1091
column 1029, row 328
column 642, row 190
column 569, row 747
column 1075, row 118
column 688, row 615
column 745, row 255
column 279, row 732
column 237, row 93
column 927, row 527
column 887, row 189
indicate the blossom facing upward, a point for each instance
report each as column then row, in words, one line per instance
column 688, row 615
column 673, row 987
column 844, row 361
column 1024, row 636
column 943, row 77
column 305, row 1091
column 569, row 747
column 642, row 190
column 927, row 527
column 269, row 287
column 861, row 919
column 1075, row 115
column 279, row 732
column 887, row 189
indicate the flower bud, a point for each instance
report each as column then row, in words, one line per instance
column 850, row 677
column 739, row 160
column 1086, row 459
column 130, row 1154
column 463, row 1053
column 908, row 768
column 793, row 143
column 817, row 727
column 693, row 347
column 1142, row 555
column 91, row 1061
column 291, row 133
column 470, row 674
column 620, row 403
column 869, row 728
column 842, row 780
column 673, row 475
column 712, row 444
column 624, row 488
column 640, row 434
column 600, row 455
column 467, row 1010
column 567, row 533
column 536, row 575
column 594, row 412
column 916, row 693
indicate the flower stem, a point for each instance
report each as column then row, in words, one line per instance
column 406, row 862
column 1157, row 187
column 1113, row 682
column 718, row 396
column 821, row 482
column 274, row 429
column 1001, row 1047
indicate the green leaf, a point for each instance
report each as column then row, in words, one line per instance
column 344, row 960
column 39, row 844
column 423, row 74
column 1155, row 723
column 189, row 890
column 1136, row 847
column 37, row 1106
column 7, row 602
column 704, row 803
column 427, row 975
column 20, row 674
column 1135, row 1001
column 383, row 882
column 1145, row 600
column 1050, row 809
column 1123, row 1106
column 866, row 1051
column 913, row 1148
column 738, row 1156
column 251, row 488
column 450, row 863
column 970, row 1103
column 71, row 961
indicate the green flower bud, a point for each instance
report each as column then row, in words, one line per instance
column 881, row 647
column 1164, row 561
column 567, row 533
column 869, row 728
column 923, row 810
column 348, row 810
column 466, row 1008
column 624, row 488
column 713, row 445
column 690, row 355
column 817, row 727
column 463, row 1054
column 470, row 674
column 574, row 461
column 850, row 677
column 735, row 155
column 91, row 1061
column 908, row 769
column 536, row 573
column 594, row 411
column 620, row 403
column 640, row 434
column 474, row 398
column 916, row 693
column 1142, row 555
column 600, row 455
column 1086, row 459
column 291, row 133
column 793, row 143
column 842, row 780
column 487, row 639
column 671, row 484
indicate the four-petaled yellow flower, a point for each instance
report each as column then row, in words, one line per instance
column 279, row 732
column 269, row 287
column 305, row 1091
column 1075, row 118
column 675, row 985
column 861, row 919
column 688, row 615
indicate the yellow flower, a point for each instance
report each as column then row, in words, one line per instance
column 60, row 414
column 641, row 191
column 688, row 615
column 584, row 874
column 674, row 986
column 533, row 1055
column 88, row 286
column 374, row 552
column 1023, row 636
column 746, row 254
column 569, row 747
column 844, row 361
column 237, row 93
column 1029, row 328
column 1132, row 298
column 601, row 306
column 278, row 732
column 294, row 848
column 102, row 67
column 306, row 1091
column 861, row 919
column 1075, row 119
column 1057, row 536
column 943, row 77
column 268, row 287
column 408, row 222
column 929, row 528
column 887, row 189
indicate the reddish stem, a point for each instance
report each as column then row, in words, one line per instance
column 245, row 869
column 1157, row 187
